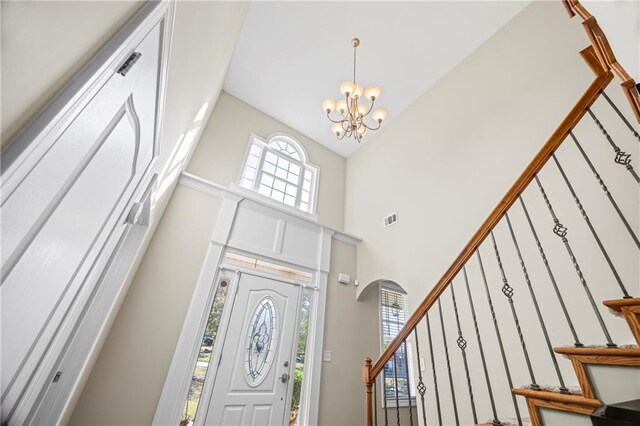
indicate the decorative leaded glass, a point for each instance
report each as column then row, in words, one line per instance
column 261, row 338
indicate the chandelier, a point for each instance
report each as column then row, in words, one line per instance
column 352, row 111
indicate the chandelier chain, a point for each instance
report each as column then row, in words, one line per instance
column 355, row 48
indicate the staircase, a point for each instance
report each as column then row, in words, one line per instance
column 477, row 333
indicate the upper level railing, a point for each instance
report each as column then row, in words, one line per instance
column 605, row 54
column 602, row 62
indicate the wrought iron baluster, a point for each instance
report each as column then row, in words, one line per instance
column 495, row 420
column 624, row 119
column 606, row 190
column 422, row 389
column 462, row 344
column 384, row 398
column 433, row 368
column 621, row 157
column 592, row 229
column 561, row 231
column 563, row 388
column 406, row 366
column 375, row 403
column 499, row 336
column 507, row 290
column 553, row 279
column 395, row 387
column 446, row 353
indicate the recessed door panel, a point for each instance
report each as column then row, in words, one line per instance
column 261, row 415
column 44, row 274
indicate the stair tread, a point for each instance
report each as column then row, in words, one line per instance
column 621, row 350
column 556, row 396
column 616, row 304
column 573, row 390
column 508, row 422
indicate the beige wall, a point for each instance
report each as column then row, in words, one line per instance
column 220, row 153
column 127, row 379
column 350, row 336
column 352, row 332
column 444, row 163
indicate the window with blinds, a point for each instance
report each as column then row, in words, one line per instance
column 398, row 375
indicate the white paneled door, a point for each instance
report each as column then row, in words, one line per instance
column 254, row 378
column 72, row 188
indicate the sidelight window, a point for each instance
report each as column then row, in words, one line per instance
column 204, row 355
column 393, row 315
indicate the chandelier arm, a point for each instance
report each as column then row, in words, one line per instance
column 373, row 128
column 370, row 108
column 334, row 121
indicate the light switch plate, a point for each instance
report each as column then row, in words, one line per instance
column 326, row 356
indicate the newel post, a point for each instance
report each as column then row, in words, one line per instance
column 368, row 383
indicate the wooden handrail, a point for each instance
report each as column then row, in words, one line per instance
column 605, row 54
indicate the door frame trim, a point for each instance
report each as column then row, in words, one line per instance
column 178, row 379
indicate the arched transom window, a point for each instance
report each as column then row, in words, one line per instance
column 279, row 169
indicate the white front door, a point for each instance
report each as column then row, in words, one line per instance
column 254, row 376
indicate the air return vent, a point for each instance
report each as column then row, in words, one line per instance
column 390, row 220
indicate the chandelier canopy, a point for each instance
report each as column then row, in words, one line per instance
column 352, row 111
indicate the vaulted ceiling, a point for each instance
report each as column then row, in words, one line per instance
column 292, row 55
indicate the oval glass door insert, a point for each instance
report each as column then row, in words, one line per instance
column 261, row 340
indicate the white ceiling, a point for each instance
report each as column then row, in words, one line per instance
column 292, row 55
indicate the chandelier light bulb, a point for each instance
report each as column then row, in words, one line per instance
column 347, row 88
column 362, row 109
column 329, row 105
column 372, row 93
column 337, row 129
column 379, row 115
column 362, row 130
column 341, row 106
column 357, row 91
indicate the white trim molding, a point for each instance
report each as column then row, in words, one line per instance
column 287, row 237
column 200, row 184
